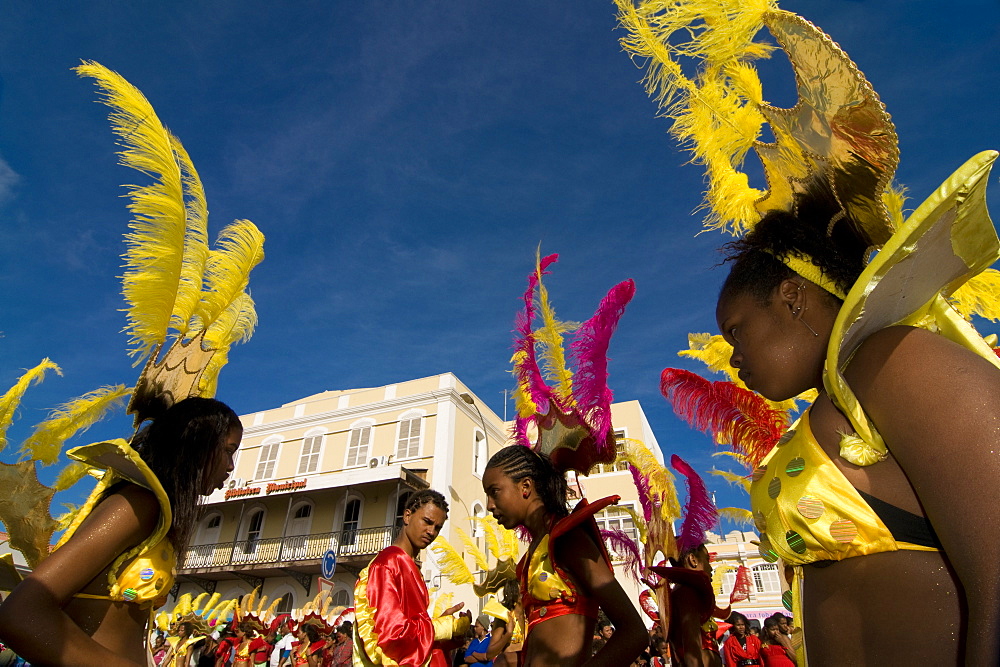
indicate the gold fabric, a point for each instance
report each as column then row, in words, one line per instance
column 798, row 491
column 150, row 576
column 837, row 134
column 544, row 582
column 946, row 241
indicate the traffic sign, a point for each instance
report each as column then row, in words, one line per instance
column 329, row 564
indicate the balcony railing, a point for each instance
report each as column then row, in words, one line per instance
column 291, row 548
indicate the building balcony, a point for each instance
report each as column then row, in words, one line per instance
column 354, row 548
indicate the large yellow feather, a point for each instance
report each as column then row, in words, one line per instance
column 552, row 356
column 10, row 400
column 163, row 277
column 472, row 549
column 979, row 296
column 734, row 479
column 661, row 480
column 70, row 475
column 441, row 602
column 451, row 562
column 736, row 515
column 67, row 420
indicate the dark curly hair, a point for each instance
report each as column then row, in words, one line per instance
column 421, row 498
column 519, row 462
column 816, row 230
column 180, row 447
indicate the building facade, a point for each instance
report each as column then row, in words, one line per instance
column 767, row 584
column 331, row 473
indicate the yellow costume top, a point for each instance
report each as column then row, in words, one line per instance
column 149, row 577
column 807, row 511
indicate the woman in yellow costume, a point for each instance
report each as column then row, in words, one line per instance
column 89, row 602
column 875, row 496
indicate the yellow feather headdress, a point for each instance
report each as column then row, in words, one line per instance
column 174, row 284
column 838, row 138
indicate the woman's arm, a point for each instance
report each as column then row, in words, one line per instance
column 786, row 644
column 500, row 638
column 32, row 620
column 580, row 556
column 937, row 405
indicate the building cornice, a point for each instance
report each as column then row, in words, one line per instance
column 431, row 398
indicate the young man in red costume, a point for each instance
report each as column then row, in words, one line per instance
column 390, row 599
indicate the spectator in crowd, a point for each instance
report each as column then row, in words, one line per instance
column 741, row 649
column 776, row 648
column 343, row 639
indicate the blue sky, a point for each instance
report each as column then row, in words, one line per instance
column 404, row 160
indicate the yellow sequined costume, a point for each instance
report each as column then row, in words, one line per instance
column 148, row 578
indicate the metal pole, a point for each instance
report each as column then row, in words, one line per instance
column 236, row 535
column 284, row 529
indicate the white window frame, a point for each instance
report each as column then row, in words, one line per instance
column 619, row 465
column 365, row 431
column 312, row 449
column 267, row 458
column 478, row 512
column 764, row 574
column 614, row 516
column 480, row 453
column 414, row 443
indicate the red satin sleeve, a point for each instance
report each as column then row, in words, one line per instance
column 397, row 593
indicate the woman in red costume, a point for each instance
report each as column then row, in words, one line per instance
column 308, row 652
column 390, row 599
column 251, row 648
column 776, row 649
column 566, row 575
column 741, row 649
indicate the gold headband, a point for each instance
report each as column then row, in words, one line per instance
column 808, row 270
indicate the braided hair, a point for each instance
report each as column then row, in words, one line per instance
column 816, row 230
column 421, row 498
column 519, row 462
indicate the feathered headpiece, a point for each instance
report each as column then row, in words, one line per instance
column 838, row 139
column 504, row 546
column 25, row 505
column 201, row 614
column 175, row 286
column 837, row 143
column 573, row 417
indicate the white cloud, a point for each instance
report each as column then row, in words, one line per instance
column 8, row 181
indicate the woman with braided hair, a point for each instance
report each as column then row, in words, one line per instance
column 566, row 575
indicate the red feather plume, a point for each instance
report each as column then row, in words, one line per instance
column 725, row 411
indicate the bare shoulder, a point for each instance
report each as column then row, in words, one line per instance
column 905, row 360
column 119, row 522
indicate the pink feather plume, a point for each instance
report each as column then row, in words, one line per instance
column 700, row 512
column 590, row 349
column 623, row 546
column 529, row 375
column 642, row 486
